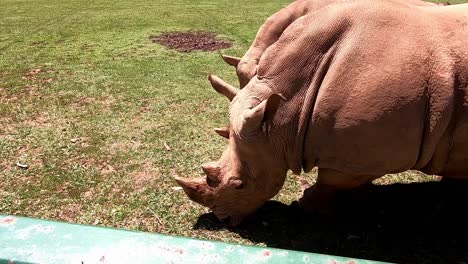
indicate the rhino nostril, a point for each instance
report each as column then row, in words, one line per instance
column 212, row 183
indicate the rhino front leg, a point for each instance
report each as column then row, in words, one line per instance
column 321, row 197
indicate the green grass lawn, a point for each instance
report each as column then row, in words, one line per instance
column 104, row 118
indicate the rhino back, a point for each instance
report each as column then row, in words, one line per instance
column 371, row 86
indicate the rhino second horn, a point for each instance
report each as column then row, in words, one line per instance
column 233, row 61
column 211, row 169
column 223, row 87
column 224, row 132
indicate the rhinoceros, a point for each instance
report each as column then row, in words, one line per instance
column 358, row 89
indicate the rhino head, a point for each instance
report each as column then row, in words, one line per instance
column 250, row 170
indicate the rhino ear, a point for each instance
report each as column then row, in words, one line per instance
column 253, row 118
column 233, row 61
column 272, row 105
column 224, row 132
column 239, row 184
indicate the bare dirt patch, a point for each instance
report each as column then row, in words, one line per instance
column 35, row 80
column 105, row 103
column 191, row 41
column 39, row 120
column 3, row 95
column 147, row 174
column 33, row 75
column 6, row 166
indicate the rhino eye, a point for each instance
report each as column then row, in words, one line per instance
column 240, row 186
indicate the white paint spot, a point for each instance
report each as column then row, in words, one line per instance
column 27, row 232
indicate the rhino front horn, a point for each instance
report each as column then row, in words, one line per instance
column 183, row 182
column 223, row 87
column 194, row 188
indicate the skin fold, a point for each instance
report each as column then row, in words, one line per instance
column 358, row 89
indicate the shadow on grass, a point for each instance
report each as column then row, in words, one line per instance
column 403, row 223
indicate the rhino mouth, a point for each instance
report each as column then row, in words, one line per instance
column 232, row 221
column 228, row 218
column 221, row 216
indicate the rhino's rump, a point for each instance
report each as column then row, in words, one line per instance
column 455, row 141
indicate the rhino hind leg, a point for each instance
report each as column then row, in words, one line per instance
column 320, row 199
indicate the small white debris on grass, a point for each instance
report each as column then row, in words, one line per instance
column 166, row 146
column 22, row 166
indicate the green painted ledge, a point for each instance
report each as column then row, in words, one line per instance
column 27, row 240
